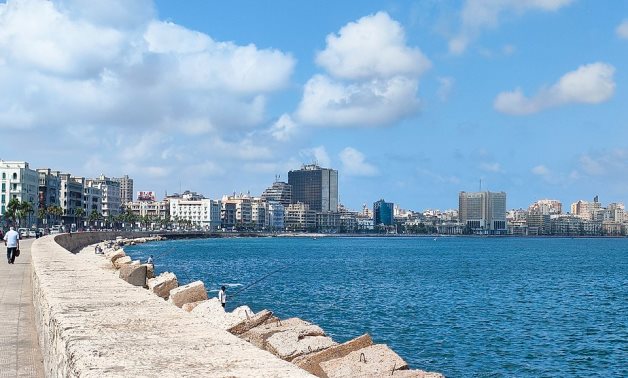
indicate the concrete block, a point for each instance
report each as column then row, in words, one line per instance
column 290, row 344
column 121, row 261
column 373, row 361
column 134, row 274
column 113, row 256
column 251, row 322
column 192, row 292
column 191, row 306
column 212, row 311
column 311, row 362
column 163, row 284
column 150, row 271
column 258, row 335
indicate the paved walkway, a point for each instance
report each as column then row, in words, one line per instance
column 19, row 350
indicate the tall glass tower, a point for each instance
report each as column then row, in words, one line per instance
column 315, row 186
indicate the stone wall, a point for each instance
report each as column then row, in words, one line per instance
column 77, row 241
column 93, row 324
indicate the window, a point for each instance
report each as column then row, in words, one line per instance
column 4, row 199
column 4, row 176
column 14, row 176
column 4, row 187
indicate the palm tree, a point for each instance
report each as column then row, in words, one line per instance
column 12, row 209
column 42, row 213
column 55, row 212
column 78, row 215
column 94, row 216
column 23, row 211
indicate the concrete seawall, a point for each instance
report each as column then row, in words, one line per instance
column 93, row 324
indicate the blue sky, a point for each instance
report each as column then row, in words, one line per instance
column 411, row 101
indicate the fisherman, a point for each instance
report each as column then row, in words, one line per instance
column 150, row 260
column 222, row 296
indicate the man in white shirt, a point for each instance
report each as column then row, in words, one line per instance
column 222, row 296
column 12, row 241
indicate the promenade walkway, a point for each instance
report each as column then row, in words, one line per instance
column 19, row 350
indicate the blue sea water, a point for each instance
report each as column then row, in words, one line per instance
column 467, row 307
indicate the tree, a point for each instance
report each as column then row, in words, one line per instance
column 24, row 209
column 94, row 217
column 78, row 215
column 42, row 213
column 12, row 209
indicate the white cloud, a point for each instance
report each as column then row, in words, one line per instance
column 373, row 77
column 491, row 167
column 354, row 163
column 477, row 15
column 284, row 128
column 446, row 84
column 541, row 170
column 622, row 30
column 318, row 155
column 372, row 47
column 589, row 84
column 373, row 103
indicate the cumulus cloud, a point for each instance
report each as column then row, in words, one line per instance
column 478, row 15
column 372, row 103
column 373, row 46
column 445, row 86
column 622, row 30
column 124, row 90
column 373, row 77
column 354, row 163
column 541, row 170
column 491, row 167
column 589, row 84
column 318, row 155
column 284, row 128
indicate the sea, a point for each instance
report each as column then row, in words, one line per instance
column 462, row 306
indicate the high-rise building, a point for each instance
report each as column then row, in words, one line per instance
column 315, row 186
column 198, row 212
column 280, row 192
column 22, row 183
column 582, row 209
column 483, row 212
column 383, row 213
column 126, row 188
column 111, row 202
column 70, row 196
column 49, row 187
column 276, row 214
column 546, row 207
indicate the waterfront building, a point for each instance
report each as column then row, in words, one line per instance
column 450, row 228
column 49, row 187
column 70, row 196
column 111, row 201
column 299, row 217
column 581, row 209
column 367, row 212
column 204, row 213
column 276, row 216
column 615, row 212
column 538, row 222
column 243, row 209
column 157, row 210
column 187, row 195
column 612, row 228
column 328, row 222
column 364, row 224
column 348, row 220
column 92, row 201
column 316, row 187
column 280, row 192
column 383, row 213
column 126, row 188
column 483, row 212
column 547, row 207
column 19, row 182
column 259, row 213
column 228, row 215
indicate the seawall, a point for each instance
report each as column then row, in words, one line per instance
column 90, row 323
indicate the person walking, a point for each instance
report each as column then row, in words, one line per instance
column 12, row 241
column 222, row 296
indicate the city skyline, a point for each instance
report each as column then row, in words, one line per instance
column 220, row 98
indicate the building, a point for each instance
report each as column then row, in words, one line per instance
column 483, row 212
column 383, row 213
column 111, row 201
column 19, row 182
column 316, row 187
column 279, row 192
column 328, row 222
column 49, row 186
column 126, row 188
column 204, row 213
column 547, row 207
column 92, row 201
column 70, row 197
column 276, row 216
column 299, row 217
column 156, row 210
column 259, row 214
column 243, row 209
column 582, row 209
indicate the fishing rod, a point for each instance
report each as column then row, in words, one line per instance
column 285, row 266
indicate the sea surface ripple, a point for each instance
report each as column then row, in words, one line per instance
column 467, row 307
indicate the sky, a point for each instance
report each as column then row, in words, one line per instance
column 411, row 101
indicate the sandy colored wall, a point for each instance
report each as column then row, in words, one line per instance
column 93, row 324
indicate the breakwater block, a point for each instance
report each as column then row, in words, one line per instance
column 373, row 361
column 258, row 335
column 213, row 313
column 288, row 345
column 311, row 362
column 191, row 306
column 113, row 256
column 163, row 284
column 192, row 292
column 134, row 274
column 252, row 322
column 121, row 261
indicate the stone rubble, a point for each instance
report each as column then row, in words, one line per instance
column 163, row 284
column 311, row 362
column 121, row 261
column 134, row 274
column 192, row 292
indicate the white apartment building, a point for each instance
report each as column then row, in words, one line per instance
column 111, row 201
column 92, row 200
column 204, row 213
column 259, row 213
column 243, row 208
column 276, row 216
column 18, row 181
